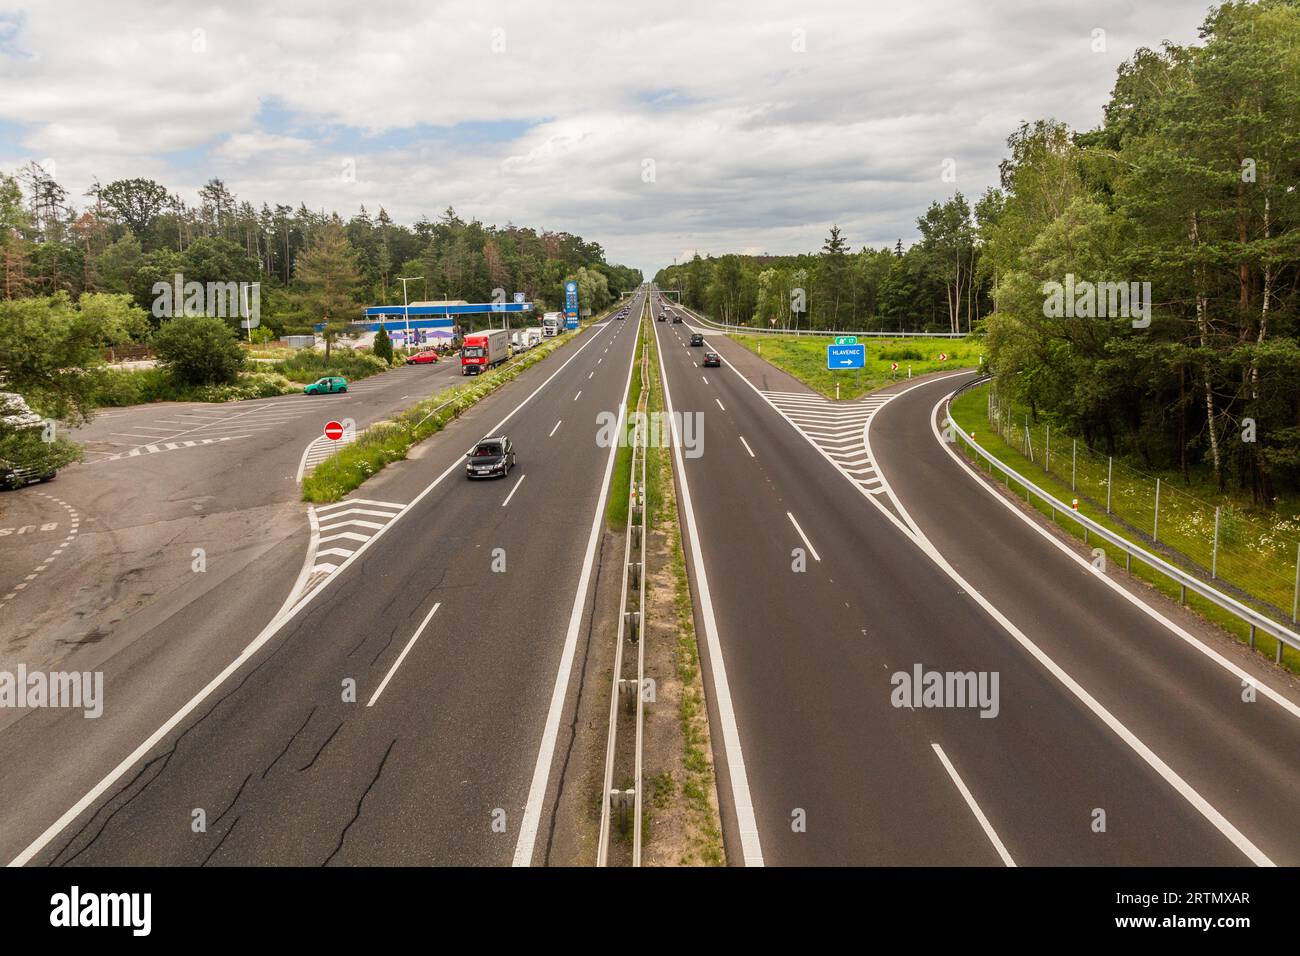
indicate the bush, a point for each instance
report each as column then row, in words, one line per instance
column 309, row 365
column 383, row 345
column 199, row 350
column 908, row 355
column 118, row 387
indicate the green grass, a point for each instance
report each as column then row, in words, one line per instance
column 307, row 365
column 804, row 357
column 970, row 412
column 616, row 505
column 387, row 442
column 116, row 388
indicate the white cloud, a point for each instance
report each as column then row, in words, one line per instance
column 756, row 146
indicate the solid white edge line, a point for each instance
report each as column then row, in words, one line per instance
column 550, row 733
column 751, row 849
column 272, row 628
column 514, row 489
column 1180, row 786
column 974, row 807
column 806, row 542
column 1281, row 700
column 747, row 448
column 402, row 656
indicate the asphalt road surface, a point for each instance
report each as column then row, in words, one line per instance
column 406, row 711
column 1116, row 739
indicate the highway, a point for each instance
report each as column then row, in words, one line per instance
column 1121, row 736
column 416, row 703
column 408, row 711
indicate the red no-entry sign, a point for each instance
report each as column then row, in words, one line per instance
column 333, row 431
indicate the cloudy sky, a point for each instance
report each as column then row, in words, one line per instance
column 654, row 129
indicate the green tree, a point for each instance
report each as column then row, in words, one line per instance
column 383, row 345
column 330, row 279
column 199, row 350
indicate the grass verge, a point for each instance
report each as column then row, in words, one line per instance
column 698, row 783
column 804, row 357
column 969, row 411
column 616, row 506
column 387, row 442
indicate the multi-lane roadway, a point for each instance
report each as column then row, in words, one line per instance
column 840, row 544
column 408, row 709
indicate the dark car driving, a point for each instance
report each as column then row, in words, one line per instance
column 677, row 319
column 712, row 360
column 491, row 456
column 697, row 338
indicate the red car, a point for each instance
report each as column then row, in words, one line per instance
column 423, row 358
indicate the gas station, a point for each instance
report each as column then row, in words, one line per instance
column 433, row 323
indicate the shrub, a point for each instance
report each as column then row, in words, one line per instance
column 383, row 345
column 895, row 355
column 308, row 365
column 199, row 350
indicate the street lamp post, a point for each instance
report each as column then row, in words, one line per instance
column 406, row 309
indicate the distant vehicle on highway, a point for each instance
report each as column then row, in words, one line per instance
column 327, row 385
column 712, row 360
column 483, row 350
column 425, row 357
column 677, row 319
column 697, row 338
column 661, row 317
column 491, row 456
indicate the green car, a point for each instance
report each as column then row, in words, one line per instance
column 327, row 385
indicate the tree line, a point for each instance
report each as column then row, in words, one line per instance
column 129, row 234
column 1190, row 189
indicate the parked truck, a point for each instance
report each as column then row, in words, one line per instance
column 483, row 350
column 552, row 324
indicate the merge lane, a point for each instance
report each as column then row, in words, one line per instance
column 1041, row 741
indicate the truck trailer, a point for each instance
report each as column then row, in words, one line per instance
column 483, row 350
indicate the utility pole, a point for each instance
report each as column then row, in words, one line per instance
column 406, row 309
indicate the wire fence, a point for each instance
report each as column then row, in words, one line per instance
column 1216, row 542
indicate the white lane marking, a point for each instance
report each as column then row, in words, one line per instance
column 514, row 489
column 808, row 543
column 550, row 733
column 575, row 397
column 1284, row 702
column 556, row 428
column 402, row 656
column 750, row 845
column 974, row 807
column 720, row 405
column 589, row 375
column 1180, row 786
column 706, row 379
column 747, row 448
column 268, row 632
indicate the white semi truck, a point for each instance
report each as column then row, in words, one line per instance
column 552, row 324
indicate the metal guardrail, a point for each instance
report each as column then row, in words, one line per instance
column 1184, row 580
column 631, row 626
column 757, row 330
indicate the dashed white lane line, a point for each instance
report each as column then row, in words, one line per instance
column 402, row 656
column 576, row 397
column 513, row 490
column 140, row 450
column 706, row 379
column 556, row 428
column 589, row 375
column 720, row 405
column 811, row 549
column 71, row 536
column 974, row 807
column 747, row 448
